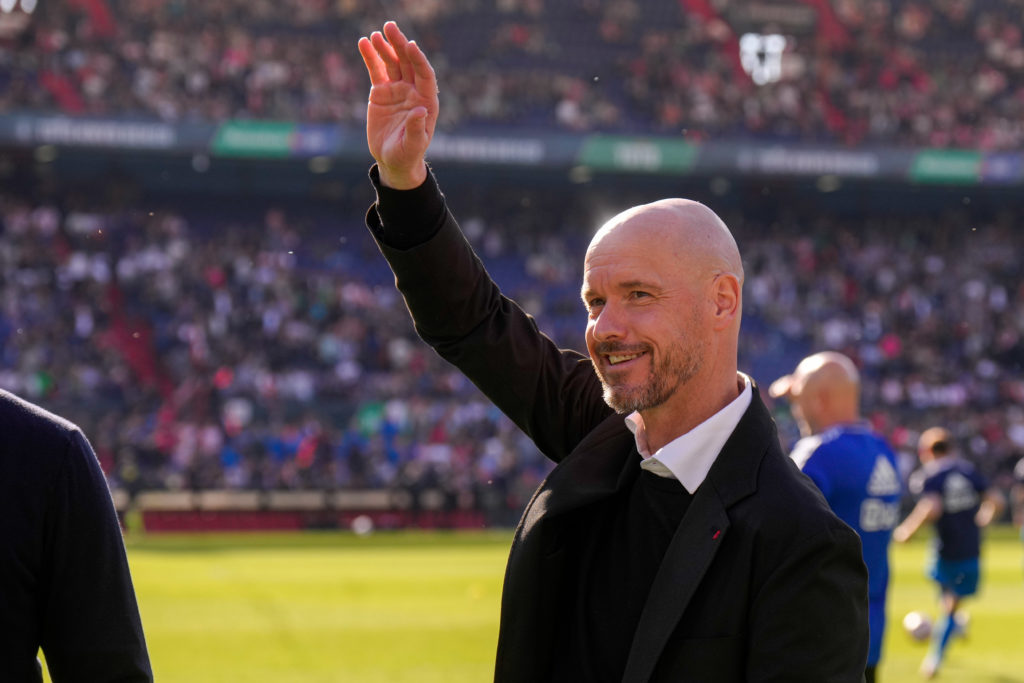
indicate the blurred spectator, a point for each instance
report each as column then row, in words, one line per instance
column 239, row 348
column 263, row 348
column 938, row 74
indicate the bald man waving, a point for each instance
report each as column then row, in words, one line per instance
column 673, row 541
column 852, row 465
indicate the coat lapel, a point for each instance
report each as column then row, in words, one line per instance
column 689, row 554
column 704, row 528
column 598, row 467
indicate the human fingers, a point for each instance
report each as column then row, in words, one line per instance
column 374, row 65
column 416, row 134
column 399, row 42
column 426, row 79
column 387, row 55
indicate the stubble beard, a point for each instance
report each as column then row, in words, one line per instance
column 674, row 371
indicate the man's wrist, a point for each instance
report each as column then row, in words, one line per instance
column 403, row 219
column 402, row 180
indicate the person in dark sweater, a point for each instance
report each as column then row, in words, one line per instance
column 64, row 580
column 673, row 541
column 958, row 500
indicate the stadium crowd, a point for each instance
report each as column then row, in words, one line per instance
column 944, row 73
column 235, row 346
column 240, row 347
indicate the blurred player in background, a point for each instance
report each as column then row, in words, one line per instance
column 1017, row 496
column 64, row 580
column 957, row 499
column 852, row 465
column 675, row 544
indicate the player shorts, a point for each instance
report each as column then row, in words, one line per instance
column 959, row 577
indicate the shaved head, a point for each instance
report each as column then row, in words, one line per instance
column 689, row 231
column 824, row 390
column 827, row 369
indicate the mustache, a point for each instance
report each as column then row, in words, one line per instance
column 613, row 348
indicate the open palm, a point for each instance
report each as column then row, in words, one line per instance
column 402, row 110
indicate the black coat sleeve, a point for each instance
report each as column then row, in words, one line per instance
column 551, row 394
column 90, row 625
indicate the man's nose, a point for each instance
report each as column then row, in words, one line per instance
column 608, row 324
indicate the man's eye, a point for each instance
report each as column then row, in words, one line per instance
column 638, row 294
column 595, row 303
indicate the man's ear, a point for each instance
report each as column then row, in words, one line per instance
column 726, row 298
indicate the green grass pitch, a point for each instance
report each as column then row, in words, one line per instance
column 423, row 607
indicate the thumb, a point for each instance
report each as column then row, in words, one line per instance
column 416, row 129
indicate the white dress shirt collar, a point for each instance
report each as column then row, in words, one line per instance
column 689, row 457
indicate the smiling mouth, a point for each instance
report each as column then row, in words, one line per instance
column 616, row 359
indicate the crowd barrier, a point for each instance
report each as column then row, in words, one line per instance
column 361, row 511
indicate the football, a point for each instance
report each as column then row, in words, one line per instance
column 918, row 625
column 363, row 525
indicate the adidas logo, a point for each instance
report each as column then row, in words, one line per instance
column 884, row 481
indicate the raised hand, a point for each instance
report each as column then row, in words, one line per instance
column 402, row 111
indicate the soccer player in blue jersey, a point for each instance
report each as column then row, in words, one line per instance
column 958, row 501
column 852, row 465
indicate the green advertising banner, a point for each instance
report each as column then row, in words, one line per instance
column 596, row 153
column 264, row 139
column 638, row 155
column 946, row 166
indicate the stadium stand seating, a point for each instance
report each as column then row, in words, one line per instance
column 889, row 72
column 264, row 348
column 257, row 344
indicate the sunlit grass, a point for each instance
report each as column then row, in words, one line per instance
column 423, row 607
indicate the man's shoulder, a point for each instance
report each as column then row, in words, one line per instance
column 26, row 425
column 752, row 468
column 951, row 465
column 854, row 439
column 779, row 478
column 38, row 449
column 932, row 476
column 805, row 448
column 787, row 501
